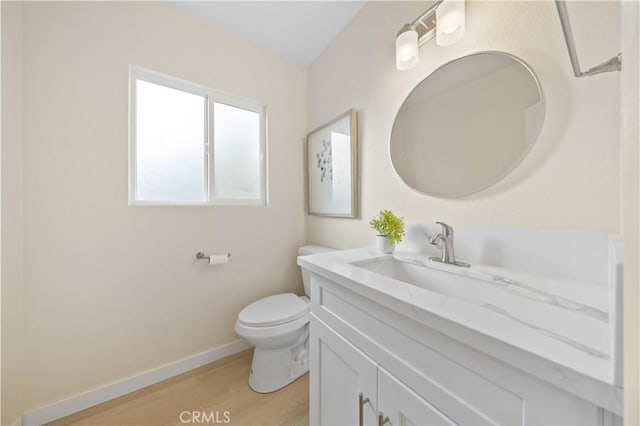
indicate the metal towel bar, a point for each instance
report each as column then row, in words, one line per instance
column 613, row 64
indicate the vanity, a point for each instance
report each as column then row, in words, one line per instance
column 530, row 333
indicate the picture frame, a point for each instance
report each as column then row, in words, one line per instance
column 332, row 167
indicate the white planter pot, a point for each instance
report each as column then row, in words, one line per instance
column 382, row 244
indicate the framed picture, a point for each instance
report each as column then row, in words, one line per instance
column 332, row 167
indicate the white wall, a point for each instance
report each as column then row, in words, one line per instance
column 569, row 180
column 11, row 226
column 112, row 290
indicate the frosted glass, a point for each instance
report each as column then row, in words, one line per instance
column 170, row 144
column 236, row 153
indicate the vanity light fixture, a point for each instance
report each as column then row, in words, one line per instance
column 445, row 20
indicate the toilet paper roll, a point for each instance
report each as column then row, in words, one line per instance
column 219, row 259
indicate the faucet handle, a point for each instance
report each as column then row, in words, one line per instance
column 446, row 229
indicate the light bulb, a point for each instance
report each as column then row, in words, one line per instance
column 451, row 29
column 450, row 22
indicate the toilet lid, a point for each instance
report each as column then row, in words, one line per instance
column 273, row 310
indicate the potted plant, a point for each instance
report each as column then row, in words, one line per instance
column 390, row 230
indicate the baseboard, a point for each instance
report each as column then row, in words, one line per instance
column 106, row 393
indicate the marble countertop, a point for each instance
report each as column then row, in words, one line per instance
column 556, row 328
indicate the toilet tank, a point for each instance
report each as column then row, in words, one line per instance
column 305, row 251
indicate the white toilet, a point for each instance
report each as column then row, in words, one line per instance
column 278, row 327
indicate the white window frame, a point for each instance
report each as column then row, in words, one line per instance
column 211, row 96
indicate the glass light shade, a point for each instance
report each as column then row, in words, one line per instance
column 407, row 48
column 450, row 22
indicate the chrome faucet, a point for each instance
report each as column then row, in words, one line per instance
column 445, row 239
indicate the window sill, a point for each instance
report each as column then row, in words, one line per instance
column 227, row 203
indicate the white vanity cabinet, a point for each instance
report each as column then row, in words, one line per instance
column 343, row 379
column 351, row 386
column 413, row 374
column 399, row 405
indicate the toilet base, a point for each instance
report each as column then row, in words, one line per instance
column 273, row 369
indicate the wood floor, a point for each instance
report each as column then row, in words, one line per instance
column 209, row 395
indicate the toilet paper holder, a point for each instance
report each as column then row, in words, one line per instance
column 201, row 255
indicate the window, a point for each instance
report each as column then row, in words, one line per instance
column 193, row 145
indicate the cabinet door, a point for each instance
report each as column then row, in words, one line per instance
column 402, row 406
column 339, row 373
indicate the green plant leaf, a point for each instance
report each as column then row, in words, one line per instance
column 389, row 225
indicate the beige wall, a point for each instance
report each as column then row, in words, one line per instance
column 11, row 226
column 570, row 178
column 630, row 137
column 112, row 290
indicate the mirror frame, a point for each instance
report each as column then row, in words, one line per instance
column 512, row 167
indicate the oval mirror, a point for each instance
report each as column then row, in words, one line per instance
column 467, row 125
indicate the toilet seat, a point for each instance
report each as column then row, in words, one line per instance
column 273, row 310
column 271, row 332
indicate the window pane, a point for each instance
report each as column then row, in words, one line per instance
column 236, row 153
column 170, row 141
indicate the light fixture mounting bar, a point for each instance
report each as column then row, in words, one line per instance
column 444, row 21
column 425, row 24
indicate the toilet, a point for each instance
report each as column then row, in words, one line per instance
column 278, row 327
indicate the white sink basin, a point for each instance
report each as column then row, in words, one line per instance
column 436, row 278
column 519, row 302
column 474, row 285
